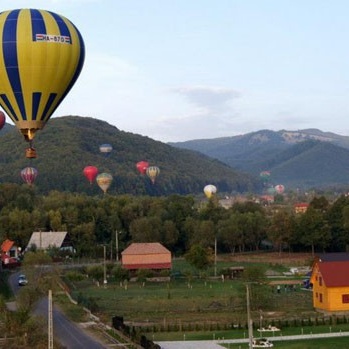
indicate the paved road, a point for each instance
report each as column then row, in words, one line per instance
column 215, row 344
column 66, row 332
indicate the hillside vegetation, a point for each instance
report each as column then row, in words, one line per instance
column 68, row 144
column 298, row 159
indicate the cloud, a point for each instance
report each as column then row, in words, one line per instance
column 209, row 99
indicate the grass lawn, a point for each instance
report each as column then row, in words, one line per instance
column 183, row 302
column 204, row 308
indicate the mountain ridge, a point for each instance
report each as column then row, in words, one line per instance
column 283, row 153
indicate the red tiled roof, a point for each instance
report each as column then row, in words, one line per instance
column 6, row 245
column 148, row 266
column 301, row 204
column 145, row 248
column 335, row 274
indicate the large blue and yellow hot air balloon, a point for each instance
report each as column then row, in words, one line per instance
column 41, row 57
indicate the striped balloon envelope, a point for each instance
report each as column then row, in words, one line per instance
column 41, row 57
column 29, row 175
column 152, row 172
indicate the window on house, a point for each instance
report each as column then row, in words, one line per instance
column 345, row 298
column 320, row 297
column 320, row 280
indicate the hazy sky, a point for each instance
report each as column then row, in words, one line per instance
column 176, row 70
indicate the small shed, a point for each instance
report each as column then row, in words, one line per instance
column 43, row 240
column 150, row 255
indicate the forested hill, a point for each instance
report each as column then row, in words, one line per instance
column 298, row 159
column 68, row 144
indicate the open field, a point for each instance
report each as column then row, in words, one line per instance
column 191, row 303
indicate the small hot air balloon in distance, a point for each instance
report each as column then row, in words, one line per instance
column 105, row 149
column 2, row 120
column 279, row 188
column 210, row 190
column 42, row 54
column 142, row 167
column 265, row 176
column 90, row 173
column 29, row 174
column 104, row 180
column 152, row 172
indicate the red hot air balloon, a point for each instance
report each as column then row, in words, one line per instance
column 90, row 173
column 2, row 120
column 142, row 167
column 29, row 174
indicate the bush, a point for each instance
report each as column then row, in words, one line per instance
column 143, row 274
column 74, row 276
column 120, row 274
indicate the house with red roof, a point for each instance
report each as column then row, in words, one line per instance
column 150, row 255
column 9, row 253
column 330, row 280
column 301, row 207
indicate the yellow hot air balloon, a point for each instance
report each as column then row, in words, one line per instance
column 104, row 180
column 209, row 190
column 152, row 172
column 41, row 56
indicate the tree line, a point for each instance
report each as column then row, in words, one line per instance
column 178, row 222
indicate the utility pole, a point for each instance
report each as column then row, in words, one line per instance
column 104, row 264
column 215, row 256
column 249, row 320
column 117, row 245
column 50, row 321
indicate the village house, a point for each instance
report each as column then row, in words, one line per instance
column 150, row 255
column 10, row 253
column 300, row 207
column 44, row 240
column 330, row 280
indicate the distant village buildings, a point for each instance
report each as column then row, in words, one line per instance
column 300, row 207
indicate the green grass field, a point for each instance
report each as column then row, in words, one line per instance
column 204, row 309
column 185, row 302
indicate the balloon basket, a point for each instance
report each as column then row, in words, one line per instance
column 30, row 153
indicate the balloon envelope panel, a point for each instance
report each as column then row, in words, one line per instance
column 104, row 180
column 152, row 172
column 41, row 57
column 29, row 175
column 90, row 173
column 209, row 190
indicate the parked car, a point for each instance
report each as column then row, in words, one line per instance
column 262, row 343
column 22, row 280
